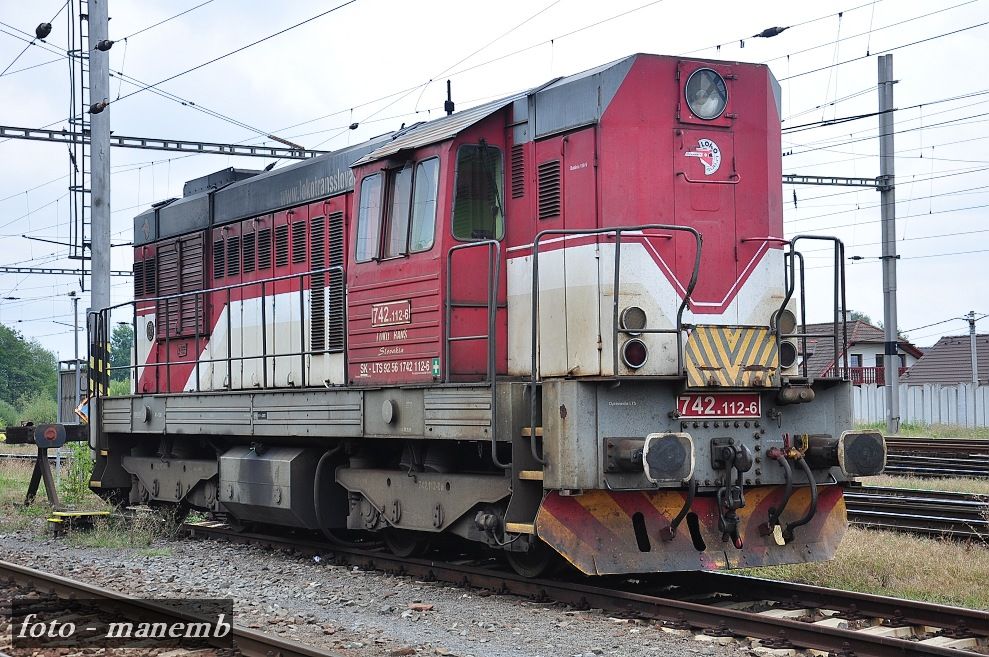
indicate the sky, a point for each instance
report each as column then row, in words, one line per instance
column 371, row 62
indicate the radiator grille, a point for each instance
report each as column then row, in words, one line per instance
column 218, row 266
column 299, row 242
column 248, row 246
column 138, row 278
column 317, row 244
column 336, row 302
column 549, row 189
column 281, row 245
column 149, row 274
column 233, row 255
column 181, row 268
column 518, row 171
column 264, row 249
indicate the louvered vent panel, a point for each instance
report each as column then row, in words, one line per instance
column 281, row 245
column 336, row 301
column 138, row 278
column 549, row 189
column 149, row 275
column 233, row 255
column 168, row 283
column 299, row 241
column 249, row 244
column 317, row 260
column 192, row 278
column 518, row 171
column 218, row 266
column 264, row 249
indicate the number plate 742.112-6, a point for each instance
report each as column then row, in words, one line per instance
column 737, row 405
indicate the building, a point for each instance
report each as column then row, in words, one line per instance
column 865, row 348
column 950, row 361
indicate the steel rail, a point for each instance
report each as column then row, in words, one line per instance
column 959, row 515
column 247, row 642
column 780, row 632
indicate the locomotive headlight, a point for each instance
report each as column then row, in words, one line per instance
column 633, row 320
column 707, row 95
column 785, row 320
column 788, row 354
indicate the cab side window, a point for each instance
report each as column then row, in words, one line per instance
column 424, row 205
column 369, row 219
column 477, row 208
column 407, row 222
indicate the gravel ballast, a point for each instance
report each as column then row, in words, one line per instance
column 353, row 612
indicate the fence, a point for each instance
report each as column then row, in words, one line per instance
column 962, row 404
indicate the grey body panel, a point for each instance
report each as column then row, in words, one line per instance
column 216, row 180
column 577, row 100
column 445, row 412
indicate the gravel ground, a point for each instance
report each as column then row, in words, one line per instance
column 352, row 612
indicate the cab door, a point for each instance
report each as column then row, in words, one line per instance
column 394, row 296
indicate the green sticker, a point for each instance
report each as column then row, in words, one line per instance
column 436, row 367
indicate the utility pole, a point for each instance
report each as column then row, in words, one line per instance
column 889, row 257
column 75, row 343
column 99, row 95
column 973, row 397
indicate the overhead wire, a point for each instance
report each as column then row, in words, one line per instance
column 36, row 38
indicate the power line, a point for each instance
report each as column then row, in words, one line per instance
column 162, row 22
column 37, row 37
column 235, row 51
column 888, row 50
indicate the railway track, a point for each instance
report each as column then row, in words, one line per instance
column 247, row 642
column 958, row 515
column 778, row 615
column 937, row 457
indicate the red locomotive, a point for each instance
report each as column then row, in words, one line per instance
column 557, row 323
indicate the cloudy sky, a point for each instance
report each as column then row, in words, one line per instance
column 371, row 61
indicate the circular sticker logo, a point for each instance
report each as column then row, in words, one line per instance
column 708, row 153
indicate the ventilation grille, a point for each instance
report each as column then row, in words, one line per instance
column 264, row 249
column 149, row 275
column 218, row 261
column 518, row 171
column 281, row 245
column 549, row 189
column 299, row 241
column 336, row 302
column 249, row 245
column 181, row 268
column 138, row 278
column 233, row 255
column 317, row 322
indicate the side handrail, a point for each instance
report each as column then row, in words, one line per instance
column 104, row 316
column 616, row 294
column 494, row 276
column 839, row 298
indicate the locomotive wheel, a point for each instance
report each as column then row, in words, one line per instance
column 540, row 560
column 405, row 543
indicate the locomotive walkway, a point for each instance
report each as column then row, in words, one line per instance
column 779, row 615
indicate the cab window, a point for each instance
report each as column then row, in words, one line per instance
column 397, row 225
column 477, row 208
column 369, row 219
column 424, row 205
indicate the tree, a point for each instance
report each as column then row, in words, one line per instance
column 121, row 345
column 26, row 368
column 854, row 315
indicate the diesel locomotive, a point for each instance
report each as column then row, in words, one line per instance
column 563, row 323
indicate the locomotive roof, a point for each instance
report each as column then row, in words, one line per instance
column 237, row 194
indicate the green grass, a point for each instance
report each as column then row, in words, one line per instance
column 899, row 565
column 950, row 484
column 912, row 430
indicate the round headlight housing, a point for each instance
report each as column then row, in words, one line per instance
column 635, row 353
column 707, row 94
column 785, row 320
column 633, row 320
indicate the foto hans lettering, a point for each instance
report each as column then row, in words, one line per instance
column 391, row 313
